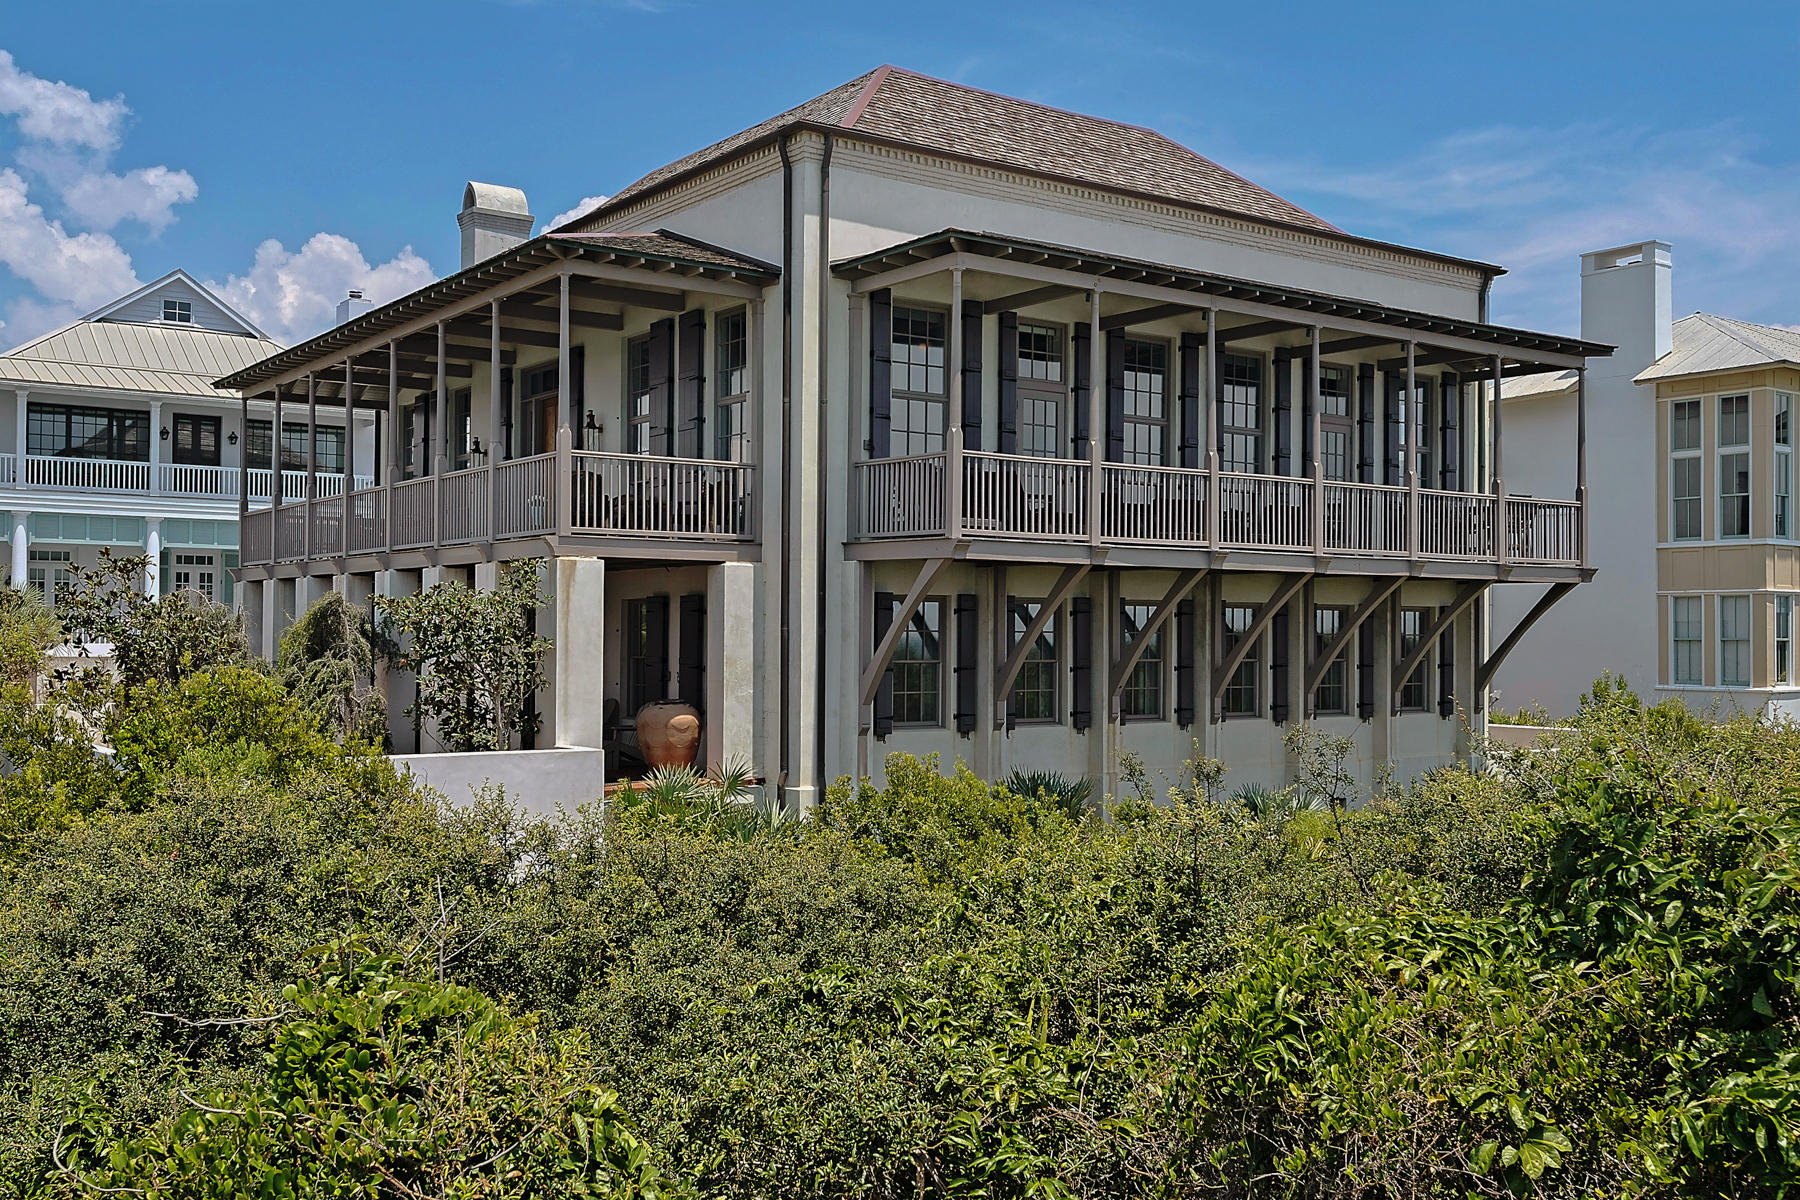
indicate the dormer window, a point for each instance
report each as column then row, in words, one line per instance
column 181, row 311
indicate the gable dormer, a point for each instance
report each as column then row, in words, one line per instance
column 179, row 301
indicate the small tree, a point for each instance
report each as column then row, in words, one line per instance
column 326, row 662
column 153, row 638
column 27, row 631
column 475, row 654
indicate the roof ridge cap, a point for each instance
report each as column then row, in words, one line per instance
column 876, row 78
column 1726, row 326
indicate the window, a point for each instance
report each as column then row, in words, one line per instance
column 1734, row 641
column 194, row 573
column 540, row 388
column 1333, row 695
column 920, row 383
column 1784, row 465
column 1412, row 632
column 1034, row 691
column 1241, row 427
column 293, row 446
column 48, row 572
column 732, row 371
column 1241, row 692
column 74, row 431
column 1784, row 639
column 1734, row 466
column 461, row 433
column 1684, row 469
column 918, row 668
column 1040, row 353
column 1685, row 636
column 646, row 651
column 1041, row 390
column 1418, row 433
column 1142, row 696
column 196, row 440
column 1146, row 402
column 179, row 311
column 1336, row 430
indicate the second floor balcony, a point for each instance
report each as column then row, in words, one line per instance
column 177, row 480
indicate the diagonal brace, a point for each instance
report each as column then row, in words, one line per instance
column 1226, row 666
column 1404, row 668
column 929, row 572
column 1379, row 591
column 1015, row 661
column 1165, row 608
column 1485, row 675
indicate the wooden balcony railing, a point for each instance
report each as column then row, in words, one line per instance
column 606, row 495
column 1036, row 499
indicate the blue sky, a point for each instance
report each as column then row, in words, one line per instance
column 286, row 152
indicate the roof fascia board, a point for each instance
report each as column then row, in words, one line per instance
column 689, row 283
column 123, row 395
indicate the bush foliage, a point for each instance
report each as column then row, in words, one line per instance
column 261, row 964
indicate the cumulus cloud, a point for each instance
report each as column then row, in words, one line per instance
column 57, row 112
column 293, row 294
column 147, row 194
column 586, row 205
column 82, row 269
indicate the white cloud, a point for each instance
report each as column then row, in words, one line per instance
column 293, row 294
column 147, row 194
column 59, row 112
column 82, row 269
column 587, row 204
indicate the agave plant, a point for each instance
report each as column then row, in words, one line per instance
column 1264, row 803
column 1070, row 796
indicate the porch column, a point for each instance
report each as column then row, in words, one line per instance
column 1209, row 407
column 953, row 491
column 562, row 489
column 440, row 443
column 731, row 706
column 153, row 551
column 21, row 477
column 276, row 490
column 579, row 670
column 1581, row 457
column 392, row 473
column 312, row 461
column 1096, row 433
column 1314, row 433
column 349, row 436
column 156, row 454
column 21, row 538
column 243, row 473
column 495, row 393
column 1502, row 540
column 1408, row 454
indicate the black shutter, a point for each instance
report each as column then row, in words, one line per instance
column 968, row 656
column 1084, row 359
column 1278, row 666
column 656, row 650
column 1365, row 423
column 1006, row 618
column 1306, row 415
column 691, row 346
column 506, row 409
column 1450, row 398
column 1447, row 670
column 690, row 683
column 1365, row 670
column 578, row 402
column 1284, row 414
column 1396, row 388
column 1218, row 378
column 1190, row 399
column 1184, row 663
column 884, row 691
column 971, row 374
column 1081, row 662
column 662, row 391
column 1009, row 383
column 881, row 370
column 1115, row 395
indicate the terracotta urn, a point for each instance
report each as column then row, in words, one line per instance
column 668, row 733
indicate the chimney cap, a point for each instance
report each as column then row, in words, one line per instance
column 494, row 197
column 355, row 294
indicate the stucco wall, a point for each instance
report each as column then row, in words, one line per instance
column 539, row 781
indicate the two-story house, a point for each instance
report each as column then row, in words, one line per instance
column 920, row 418
column 113, row 435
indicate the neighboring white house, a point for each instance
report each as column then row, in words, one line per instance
column 923, row 419
column 112, row 434
column 1694, row 534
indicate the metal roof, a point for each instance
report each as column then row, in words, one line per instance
column 1705, row 343
column 1543, row 383
column 1204, row 284
column 179, row 360
column 663, row 252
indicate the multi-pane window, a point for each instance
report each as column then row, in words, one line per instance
column 48, row 572
column 1415, row 418
column 1684, row 469
column 179, row 311
column 638, row 419
column 918, row 668
column 1412, row 633
column 196, row 440
column 1734, row 466
column 1241, row 698
column 1241, row 412
column 1336, row 432
column 732, row 371
column 462, row 432
column 920, row 382
column 1734, row 641
column 1333, row 694
column 1685, row 636
column 1146, row 401
column 76, row 431
column 194, row 573
column 1142, row 695
column 646, row 657
column 1041, row 392
column 1784, row 639
column 1784, row 465
column 1034, row 691
column 293, row 446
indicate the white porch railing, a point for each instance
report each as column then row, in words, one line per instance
column 902, row 497
column 87, row 474
column 1365, row 518
column 525, row 496
column 187, row 480
column 1014, row 496
column 1545, row 532
column 410, row 512
column 634, row 495
column 463, row 506
column 8, row 469
column 1265, row 512
column 1164, row 505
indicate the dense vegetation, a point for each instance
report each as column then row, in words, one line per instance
column 240, row 957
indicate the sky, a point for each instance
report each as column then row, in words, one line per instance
column 284, row 153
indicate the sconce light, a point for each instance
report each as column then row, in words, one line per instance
column 476, row 453
column 232, row 437
column 590, row 433
column 165, row 433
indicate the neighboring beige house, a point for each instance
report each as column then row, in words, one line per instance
column 923, row 419
column 1698, row 559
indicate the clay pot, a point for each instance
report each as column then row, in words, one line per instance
column 668, row 734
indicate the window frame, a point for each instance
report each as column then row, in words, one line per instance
column 1020, row 613
column 1734, row 450
column 1150, row 674
column 41, row 416
column 292, row 429
column 1685, row 457
column 1783, row 662
column 198, row 562
column 1248, row 676
column 1695, row 644
column 1160, row 427
column 1782, row 524
column 1740, row 603
column 906, row 402
column 47, row 568
column 934, row 667
column 635, row 659
column 1337, row 672
column 1338, row 423
column 732, row 439
column 197, row 423
column 1421, row 676
column 183, row 310
column 1033, row 391
column 1228, row 429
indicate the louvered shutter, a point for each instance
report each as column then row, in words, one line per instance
column 229, row 562
column 1278, row 666
column 1365, row 423
column 692, row 368
column 1115, row 395
column 1190, row 399
column 691, row 671
column 1447, row 670
column 1450, row 401
column 662, row 390
column 1306, row 415
column 1184, row 663
column 578, row 386
column 881, row 371
column 1084, row 360
column 1081, row 662
column 884, row 691
column 1009, row 383
column 1284, row 414
column 971, row 374
column 968, row 655
column 656, row 649
column 506, row 411
column 1218, row 387
column 1396, row 388
column 1365, row 671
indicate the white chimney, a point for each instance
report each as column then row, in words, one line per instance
column 493, row 220
column 1626, row 301
column 352, row 306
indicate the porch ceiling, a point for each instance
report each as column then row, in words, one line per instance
column 1003, row 251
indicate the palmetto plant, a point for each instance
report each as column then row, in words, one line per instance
column 1071, row 796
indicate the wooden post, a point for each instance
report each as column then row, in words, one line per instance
column 1209, row 405
column 1314, row 433
column 1502, row 536
column 392, row 473
column 275, row 480
column 1581, row 456
column 349, row 488
column 1096, row 409
column 496, row 394
column 439, row 444
column 563, row 484
column 1409, row 409
column 243, row 461
column 953, row 464
column 312, row 461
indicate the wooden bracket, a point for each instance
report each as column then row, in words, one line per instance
column 1403, row 668
column 1015, row 660
column 1377, row 595
column 1485, row 675
column 1165, row 608
column 929, row 572
column 1223, row 669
